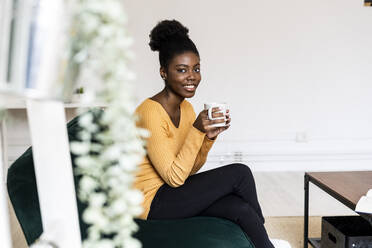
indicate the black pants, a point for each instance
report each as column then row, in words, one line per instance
column 227, row 192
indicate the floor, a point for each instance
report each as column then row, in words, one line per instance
column 291, row 229
column 282, row 194
column 18, row 238
column 281, row 198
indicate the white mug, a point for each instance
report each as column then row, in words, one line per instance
column 222, row 106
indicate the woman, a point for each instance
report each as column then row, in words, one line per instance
column 179, row 145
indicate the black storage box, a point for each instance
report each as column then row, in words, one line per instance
column 346, row 232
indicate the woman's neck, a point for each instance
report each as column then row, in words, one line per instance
column 168, row 99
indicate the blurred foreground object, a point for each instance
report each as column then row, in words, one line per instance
column 35, row 45
column 34, row 68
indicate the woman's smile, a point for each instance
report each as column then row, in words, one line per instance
column 190, row 87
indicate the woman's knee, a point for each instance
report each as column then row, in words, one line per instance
column 241, row 169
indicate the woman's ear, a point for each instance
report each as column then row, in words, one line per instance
column 163, row 73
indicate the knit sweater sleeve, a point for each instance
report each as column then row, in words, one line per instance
column 202, row 155
column 205, row 148
column 173, row 168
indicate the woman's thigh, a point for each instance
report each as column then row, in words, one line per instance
column 197, row 193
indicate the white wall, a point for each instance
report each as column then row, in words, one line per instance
column 288, row 69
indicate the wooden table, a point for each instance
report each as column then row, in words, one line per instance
column 346, row 187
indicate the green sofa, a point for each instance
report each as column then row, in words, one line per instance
column 206, row 232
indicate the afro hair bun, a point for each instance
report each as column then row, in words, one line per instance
column 165, row 32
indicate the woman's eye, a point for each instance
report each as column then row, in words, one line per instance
column 197, row 69
column 181, row 70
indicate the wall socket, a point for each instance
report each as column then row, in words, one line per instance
column 301, row 137
column 238, row 157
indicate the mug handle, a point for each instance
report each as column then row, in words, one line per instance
column 210, row 113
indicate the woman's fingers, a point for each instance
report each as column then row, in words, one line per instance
column 216, row 121
column 226, row 127
column 221, row 129
column 216, row 113
column 213, row 132
column 216, row 109
column 228, row 120
column 221, row 117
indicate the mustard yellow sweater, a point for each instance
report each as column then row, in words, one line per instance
column 173, row 154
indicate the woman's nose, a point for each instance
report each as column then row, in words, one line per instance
column 191, row 76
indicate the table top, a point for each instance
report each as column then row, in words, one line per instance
column 347, row 187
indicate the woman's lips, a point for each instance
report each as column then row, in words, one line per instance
column 189, row 87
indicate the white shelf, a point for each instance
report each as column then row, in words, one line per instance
column 83, row 105
column 10, row 104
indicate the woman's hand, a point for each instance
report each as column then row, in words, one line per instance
column 203, row 124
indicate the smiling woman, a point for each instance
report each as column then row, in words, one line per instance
column 179, row 144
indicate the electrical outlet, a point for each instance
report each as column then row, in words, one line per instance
column 301, row 137
column 238, row 157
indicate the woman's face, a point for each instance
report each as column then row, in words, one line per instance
column 183, row 74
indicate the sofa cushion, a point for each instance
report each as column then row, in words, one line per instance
column 204, row 232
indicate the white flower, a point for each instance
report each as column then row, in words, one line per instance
column 84, row 135
column 132, row 243
column 85, row 161
column 107, row 31
column 88, row 184
column 86, row 119
column 126, row 220
column 94, row 233
column 129, row 162
column 107, row 163
column 105, row 243
column 80, row 147
column 136, row 211
column 97, row 199
column 117, row 207
column 134, row 197
column 95, row 147
column 111, row 153
column 112, row 182
column 93, row 6
column 95, row 216
column 91, row 22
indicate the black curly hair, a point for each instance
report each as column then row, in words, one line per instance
column 170, row 38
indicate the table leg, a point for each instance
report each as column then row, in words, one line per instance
column 306, row 211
